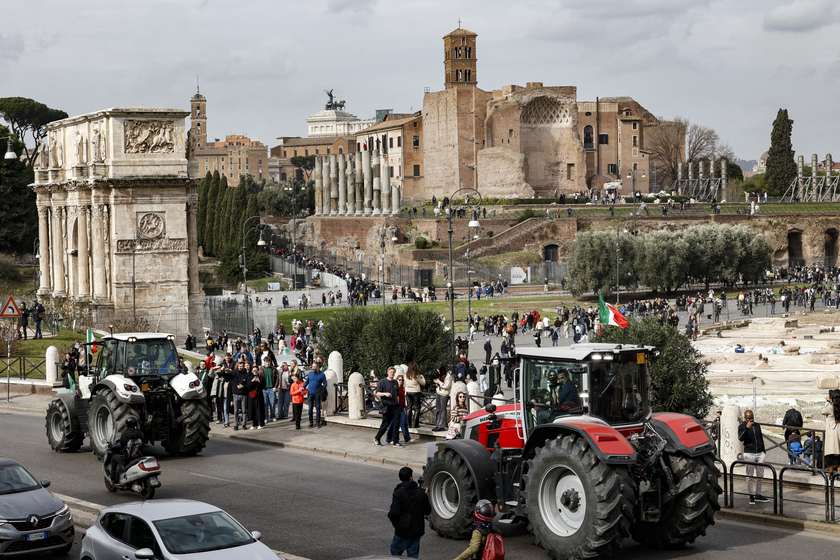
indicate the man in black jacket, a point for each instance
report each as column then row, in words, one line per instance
column 409, row 505
column 792, row 420
column 749, row 433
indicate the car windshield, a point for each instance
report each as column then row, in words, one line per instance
column 202, row 532
column 14, row 478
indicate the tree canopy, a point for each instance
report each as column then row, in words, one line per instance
column 28, row 117
column 680, row 141
column 781, row 166
column 304, row 165
column 19, row 226
column 678, row 376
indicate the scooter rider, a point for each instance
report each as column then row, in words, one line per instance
column 132, row 432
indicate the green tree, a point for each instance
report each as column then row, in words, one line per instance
column 662, row 260
column 399, row 334
column 19, row 226
column 211, row 227
column 304, row 165
column 203, row 187
column 221, row 232
column 678, row 376
column 592, row 262
column 27, row 116
column 781, row 165
column 237, row 212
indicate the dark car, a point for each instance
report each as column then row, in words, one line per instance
column 32, row 519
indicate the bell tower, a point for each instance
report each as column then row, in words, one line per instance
column 459, row 59
column 198, row 119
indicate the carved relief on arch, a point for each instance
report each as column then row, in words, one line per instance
column 152, row 137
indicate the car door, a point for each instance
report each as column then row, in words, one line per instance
column 140, row 535
column 115, row 544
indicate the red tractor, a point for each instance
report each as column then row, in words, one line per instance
column 580, row 457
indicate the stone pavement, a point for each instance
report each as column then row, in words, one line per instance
column 354, row 441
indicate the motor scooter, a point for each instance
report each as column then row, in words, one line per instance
column 139, row 475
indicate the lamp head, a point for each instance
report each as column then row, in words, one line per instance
column 10, row 153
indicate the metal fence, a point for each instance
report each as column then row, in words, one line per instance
column 228, row 313
column 23, row 367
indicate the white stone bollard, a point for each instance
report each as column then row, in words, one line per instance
column 477, row 402
column 402, row 369
column 335, row 362
column 328, row 408
column 52, row 359
column 190, row 367
column 731, row 449
column 457, row 387
column 356, row 395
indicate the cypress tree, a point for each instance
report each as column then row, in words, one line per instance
column 202, row 206
column 219, row 212
column 781, row 166
column 212, row 226
column 251, row 210
column 237, row 210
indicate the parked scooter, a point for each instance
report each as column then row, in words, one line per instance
column 140, row 475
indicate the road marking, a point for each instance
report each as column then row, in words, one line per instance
column 214, row 477
column 382, row 510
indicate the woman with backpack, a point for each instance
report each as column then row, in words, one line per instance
column 486, row 542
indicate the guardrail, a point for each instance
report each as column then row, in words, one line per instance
column 24, row 367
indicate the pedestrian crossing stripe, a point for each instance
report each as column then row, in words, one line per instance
column 10, row 309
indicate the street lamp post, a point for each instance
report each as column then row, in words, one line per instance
column 382, row 269
column 243, row 264
column 618, row 257
column 473, row 199
column 36, row 271
column 291, row 189
column 631, row 174
column 474, row 225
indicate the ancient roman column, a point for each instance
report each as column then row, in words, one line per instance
column 690, row 172
column 333, row 185
column 58, row 234
column 319, row 185
column 97, row 239
column 192, row 246
column 325, row 190
column 342, row 184
column 701, row 169
column 680, row 172
column 82, row 268
column 724, row 175
column 44, row 246
column 800, row 175
column 829, row 163
column 359, row 185
column 396, row 194
column 351, row 185
column 70, row 215
column 385, row 185
column 813, row 186
column 368, row 178
column 377, row 184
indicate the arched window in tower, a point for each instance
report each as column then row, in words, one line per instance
column 469, row 52
column 468, row 74
column 588, row 139
column 459, row 75
column 198, row 126
column 198, row 111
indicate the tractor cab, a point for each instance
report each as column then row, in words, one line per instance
column 137, row 355
column 606, row 381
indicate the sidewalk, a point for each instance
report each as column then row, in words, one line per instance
column 354, row 440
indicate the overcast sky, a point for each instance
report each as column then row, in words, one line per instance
column 264, row 64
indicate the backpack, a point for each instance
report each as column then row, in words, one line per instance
column 133, row 448
column 494, row 547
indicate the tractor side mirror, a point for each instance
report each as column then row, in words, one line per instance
column 490, row 408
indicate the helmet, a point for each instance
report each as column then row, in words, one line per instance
column 131, row 422
column 484, row 510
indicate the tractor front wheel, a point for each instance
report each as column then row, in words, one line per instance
column 106, row 420
column 577, row 506
column 452, row 493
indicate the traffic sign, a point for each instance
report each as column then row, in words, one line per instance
column 10, row 309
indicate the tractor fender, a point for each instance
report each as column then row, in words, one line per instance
column 188, row 386
column 125, row 389
column 683, row 433
column 69, row 400
column 478, row 460
column 609, row 444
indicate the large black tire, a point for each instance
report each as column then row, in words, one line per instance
column 691, row 511
column 106, row 420
column 193, row 431
column 577, row 506
column 452, row 493
column 62, row 439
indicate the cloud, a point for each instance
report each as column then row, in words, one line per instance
column 801, row 15
column 339, row 6
column 11, row 46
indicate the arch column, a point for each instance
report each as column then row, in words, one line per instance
column 82, row 269
column 359, row 184
column 319, row 185
column 377, row 184
column 351, row 185
column 58, row 234
column 368, row 179
column 44, row 248
column 342, row 184
column 97, row 240
column 333, row 185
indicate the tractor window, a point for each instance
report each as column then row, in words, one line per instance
column 619, row 391
column 552, row 389
column 110, row 359
column 151, row 357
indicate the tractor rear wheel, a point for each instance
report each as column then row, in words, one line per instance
column 59, row 434
column 691, row 511
column 106, row 420
column 193, row 431
column 577, row 506
column 452, row 493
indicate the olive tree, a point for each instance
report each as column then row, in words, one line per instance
column 592, row 262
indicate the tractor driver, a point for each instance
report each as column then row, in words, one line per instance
column 136, row 357
column 564, row 393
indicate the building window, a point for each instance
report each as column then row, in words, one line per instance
column 214, row 161
column 635, row 166
column 611, row 169
column 415, row 124
column 206, row 168
column 635, row 125
column 468, row 75
column 510, row 133
column 603, row 138
column 215, row 168
column 306, row 152
column 390, row 142
column 588, row 113
column 199, row 128
column 295, row 152
column 341, row 150
column 416, row 170
column 206, row 159
column 458, row 75
column 391, row 171
column 223, row 159
column 316, row 151
column 358, row 146
column 587, row 137
column 284, row 153
column 328, row 151
column 223, row 168
column 399, row 141
column 635, row 141
column 282, row 176
column 469, row 52
column 416, row 140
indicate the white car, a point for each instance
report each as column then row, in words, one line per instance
column 170, row 530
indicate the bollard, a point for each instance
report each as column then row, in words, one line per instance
column 335, row 362
column 355, row 396
column 731, row 449
column 52, row 358
column 477, row 402
column 328, row 408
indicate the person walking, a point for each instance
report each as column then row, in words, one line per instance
column 443, row 383
column 831, row 448
column 37, row 313
column 23, row 321
column 315, row 380
column 400, row 418
column 409, row 506
column 388, row 391
column 297, row 392
column 414, row 383
column 749, row 433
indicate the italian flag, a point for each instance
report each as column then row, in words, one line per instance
column 609, row 315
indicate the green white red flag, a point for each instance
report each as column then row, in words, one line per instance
column 609, row 315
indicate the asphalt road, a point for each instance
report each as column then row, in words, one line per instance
column 322, row 508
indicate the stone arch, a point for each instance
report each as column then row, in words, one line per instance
column 830, row 246
column 550, row 144
column 551, row 253
column 796, row 256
